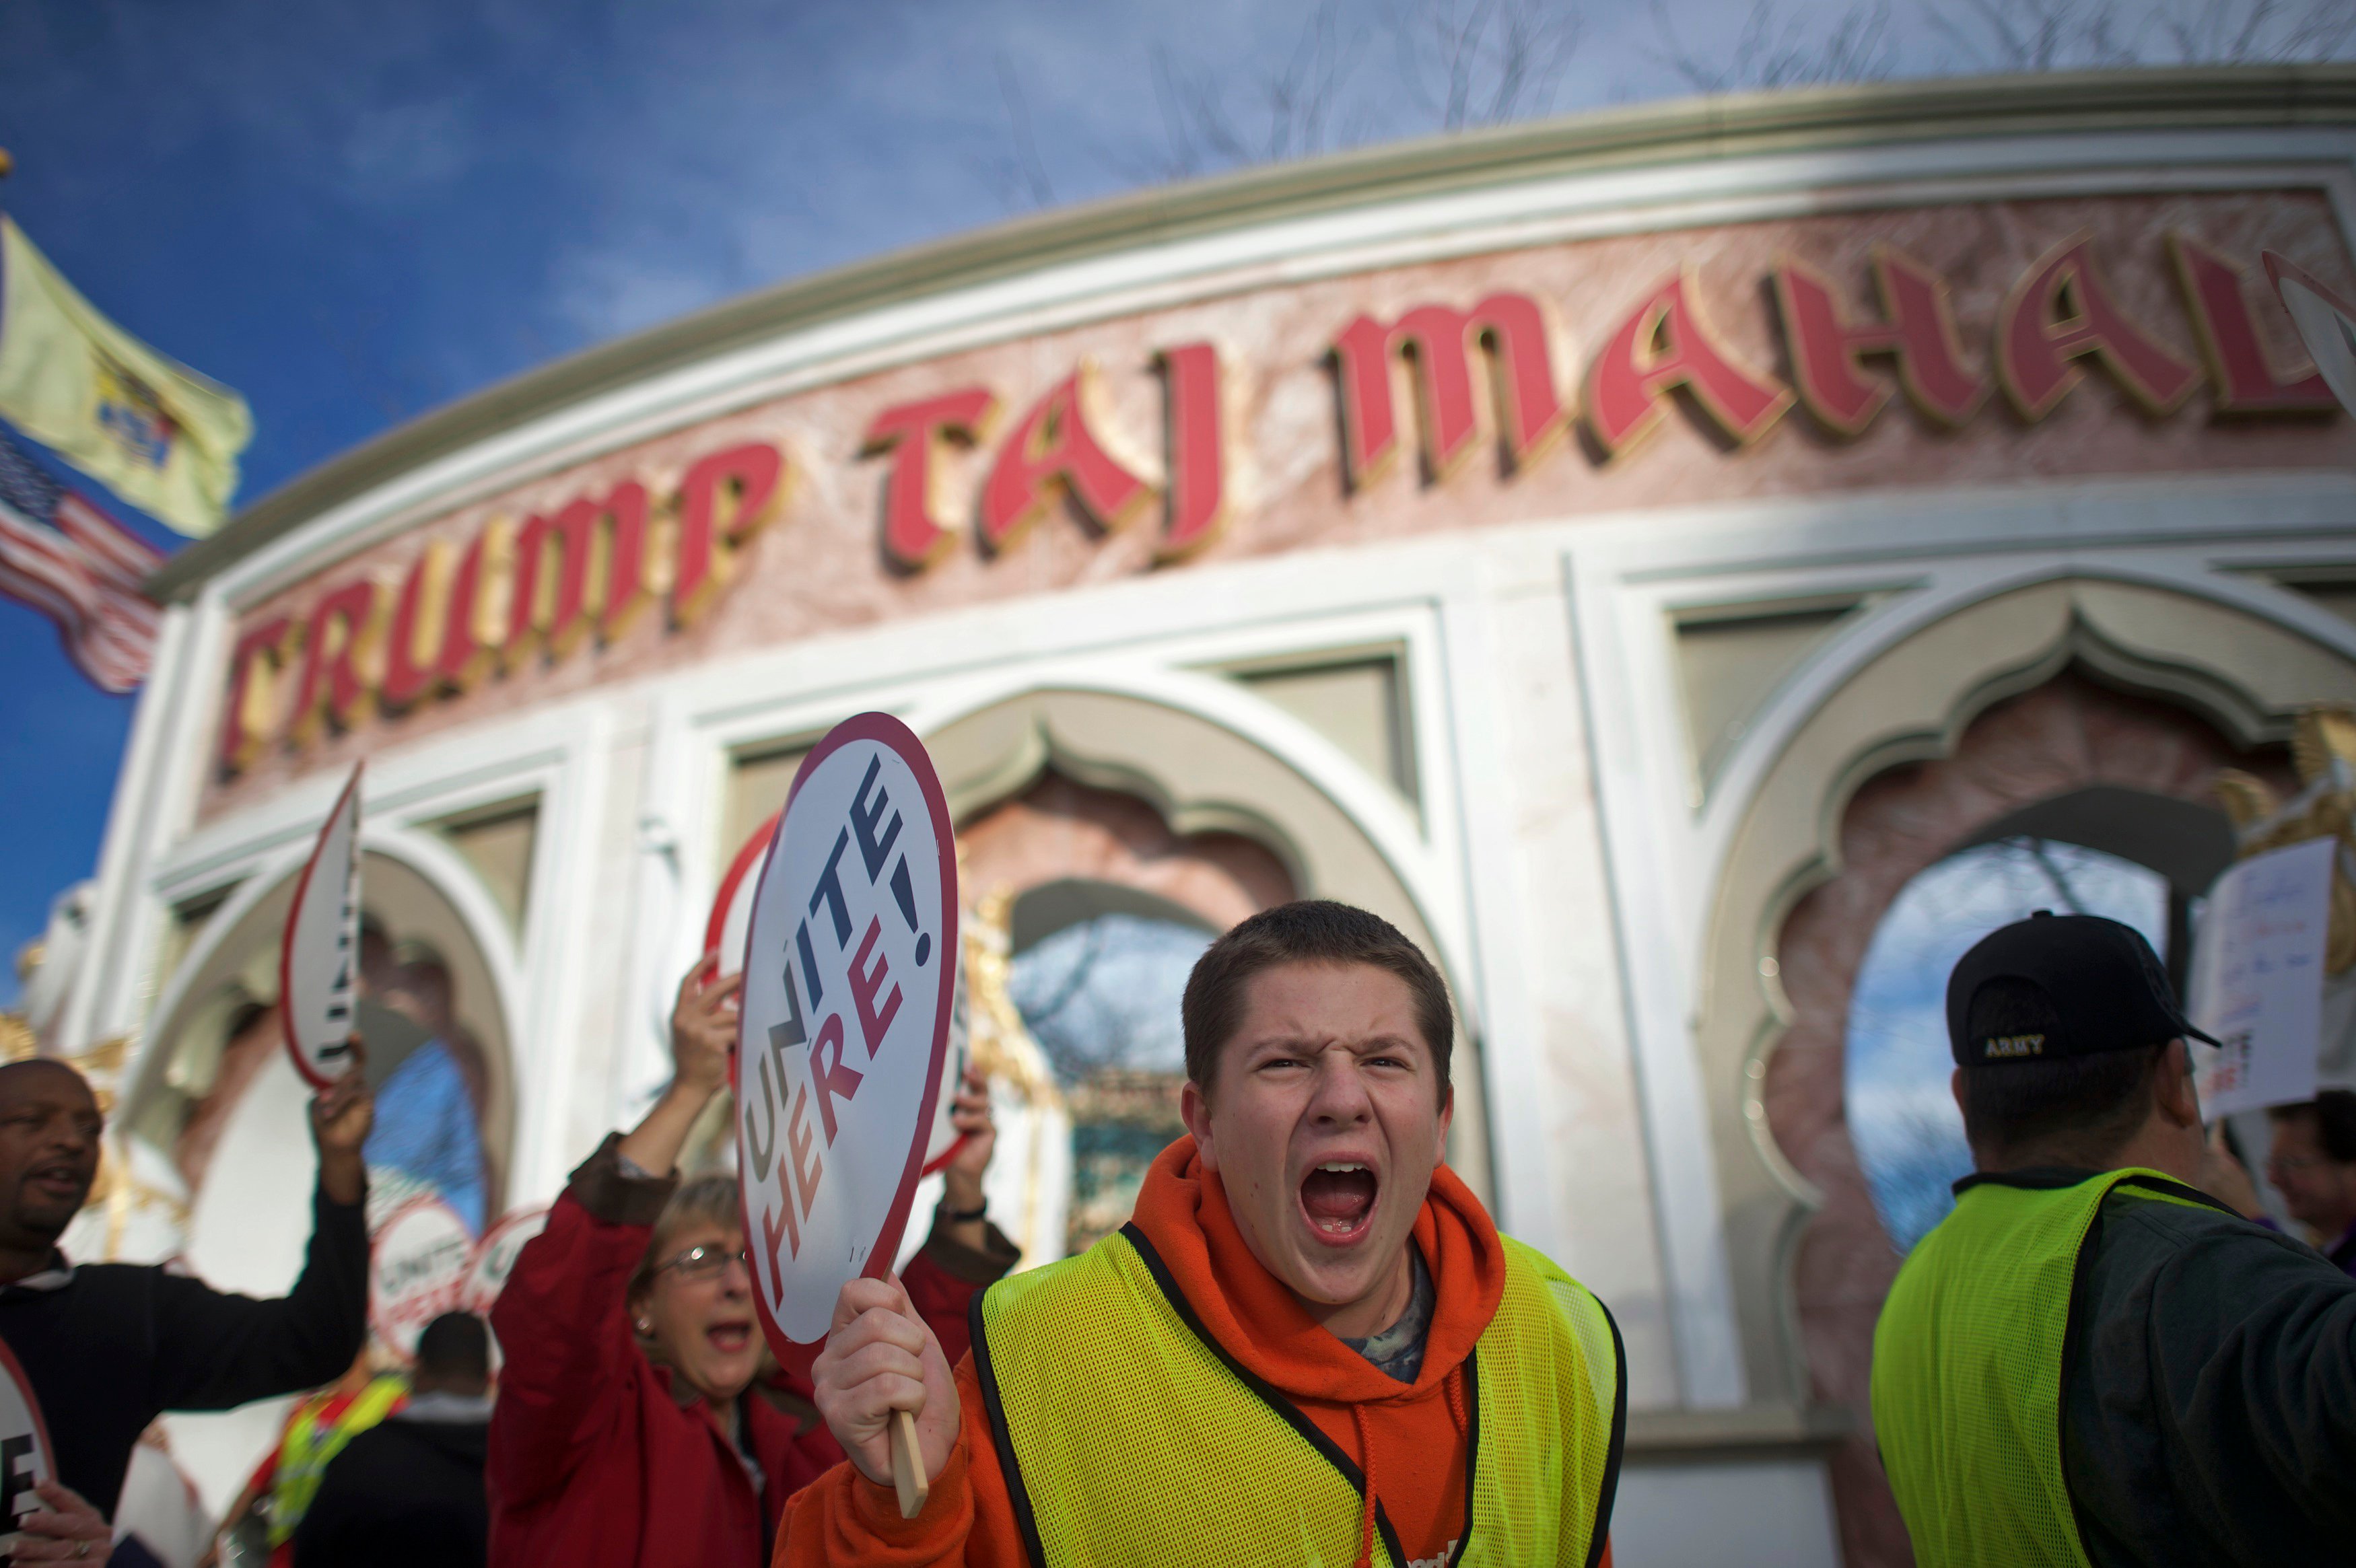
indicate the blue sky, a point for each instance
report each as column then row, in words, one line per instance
column 1901, row 1114
column 355, row 213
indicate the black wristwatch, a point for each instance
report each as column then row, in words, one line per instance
column 964, row 1216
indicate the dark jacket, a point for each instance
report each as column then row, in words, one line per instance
column 597, row 1456
column 405, row 1492
column 2209, row 1390
column 109, row 1347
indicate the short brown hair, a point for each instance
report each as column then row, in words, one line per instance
column 1311, row 931
column 707, row 1199
column 2081, row 1108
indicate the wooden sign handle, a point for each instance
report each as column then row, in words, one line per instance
column 908, row 1477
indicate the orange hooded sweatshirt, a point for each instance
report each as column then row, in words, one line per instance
column 1409, row 1438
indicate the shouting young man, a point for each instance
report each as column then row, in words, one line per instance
column 1310, row 1345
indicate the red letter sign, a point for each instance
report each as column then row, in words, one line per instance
column 1198, row 463
column 2035, row 343
column 1511, row 327
column 723, row 501
column 1664, row 343
column 1053, row 450
column 1918, row 329
column 2246, row 382
column 916, row 532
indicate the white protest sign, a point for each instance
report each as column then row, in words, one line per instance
column 2325, row 323
column 2257, row 978
column 731, row 921
column 26, row 1458
column 848, row 967
column 494, row 1259
column 417, row 1261
column 318, row 962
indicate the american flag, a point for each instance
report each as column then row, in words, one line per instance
column 64, row 557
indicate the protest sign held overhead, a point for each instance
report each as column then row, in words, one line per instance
column 26, row 1458
column 418, row 1261
column 850, row 965
column 848, row 969
column 2257, row 978
column 319, row 964
column 731, row 920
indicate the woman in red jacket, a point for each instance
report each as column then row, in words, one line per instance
column 630, row 1428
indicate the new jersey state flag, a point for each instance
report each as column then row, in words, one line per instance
column 156, row 433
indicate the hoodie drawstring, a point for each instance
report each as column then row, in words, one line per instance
column 1366, row 1462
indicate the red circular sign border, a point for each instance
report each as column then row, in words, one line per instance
column 15, row 1369
column 423, row 1200
column 887, row 730
column 287, row 940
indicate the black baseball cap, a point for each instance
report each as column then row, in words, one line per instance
column 2096, row 985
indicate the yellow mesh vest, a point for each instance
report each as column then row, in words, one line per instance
column 1967, row 1372
column 303, row 1458
column 1127, row 1436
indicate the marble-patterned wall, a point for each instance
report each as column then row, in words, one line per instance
column 820, row 567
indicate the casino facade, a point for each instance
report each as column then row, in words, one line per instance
column 1625, row 551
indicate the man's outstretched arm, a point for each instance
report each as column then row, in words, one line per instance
column 215, row 1350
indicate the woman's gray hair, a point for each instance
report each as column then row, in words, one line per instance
column 705, row 1199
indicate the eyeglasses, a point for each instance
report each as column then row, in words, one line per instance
column 701, row 1263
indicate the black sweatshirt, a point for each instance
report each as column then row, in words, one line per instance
column 402, row 1494
column 2209, row 1390
column 109, row 1347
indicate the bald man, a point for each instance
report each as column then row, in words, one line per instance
column 109, row 1347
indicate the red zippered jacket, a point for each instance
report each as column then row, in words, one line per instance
column 597, row 1456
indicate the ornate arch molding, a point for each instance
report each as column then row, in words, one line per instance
column 1911, row 702
column 1204, row 777
column 422, row 878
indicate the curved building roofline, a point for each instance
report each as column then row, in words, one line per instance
column 1680, row 131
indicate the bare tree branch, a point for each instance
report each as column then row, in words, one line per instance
column 1494, row 60
column 1771, row 51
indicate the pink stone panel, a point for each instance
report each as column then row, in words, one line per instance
column 821, row 567
column 1057, row 829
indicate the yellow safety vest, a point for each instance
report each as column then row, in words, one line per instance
column 302, row 1457
column 1128, row 1436
column 1968, row 1372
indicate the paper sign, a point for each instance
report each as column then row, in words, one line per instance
column 318, row 962
column 2257, row 978
column 26, row 1458
column 843, row 1037
column 494, row 1259
column 731, row 921
column 2325, row 323
column 417, row 1261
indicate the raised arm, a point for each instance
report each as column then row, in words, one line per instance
column 961, row 1255
column 562, row 1319
column 215, row 1350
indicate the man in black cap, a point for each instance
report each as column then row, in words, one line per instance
column 2091, row 1361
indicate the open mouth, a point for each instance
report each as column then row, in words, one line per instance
column 1338, row 1197
column 60, row 1182
column 729, row 1338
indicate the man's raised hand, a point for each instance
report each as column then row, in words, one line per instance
column 341, row 1116
column 881, row 1357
